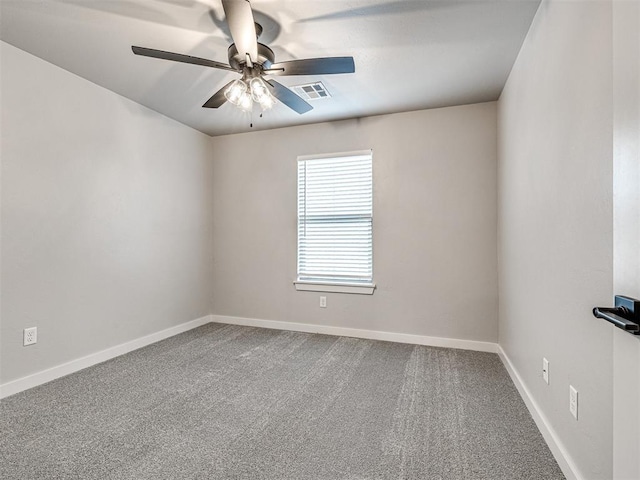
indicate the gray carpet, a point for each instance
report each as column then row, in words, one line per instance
column 228, row 402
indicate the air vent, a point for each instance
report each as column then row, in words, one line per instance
column 312, row 91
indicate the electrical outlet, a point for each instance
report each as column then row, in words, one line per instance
column 573, row 402
column 545, row 370
column 29, row 336
column 323, row 302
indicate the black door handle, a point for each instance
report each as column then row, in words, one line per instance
column 625, row 315
column 613, row 315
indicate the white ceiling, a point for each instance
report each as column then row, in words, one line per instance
column 409, row 54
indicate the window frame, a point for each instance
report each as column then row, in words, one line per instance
column 334, row 286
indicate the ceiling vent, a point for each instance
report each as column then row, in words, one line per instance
column 312, row 91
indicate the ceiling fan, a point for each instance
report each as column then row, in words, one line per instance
column 254, row 61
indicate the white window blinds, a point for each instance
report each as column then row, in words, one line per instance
column 335, row 218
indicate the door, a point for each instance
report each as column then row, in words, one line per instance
column 626, row 233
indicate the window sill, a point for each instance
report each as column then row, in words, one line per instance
column 357, row 288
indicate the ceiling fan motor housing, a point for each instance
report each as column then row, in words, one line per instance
column 237, row 60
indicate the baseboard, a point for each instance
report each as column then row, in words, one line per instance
column 44, row 376
column 360, row 333
column 567, row 465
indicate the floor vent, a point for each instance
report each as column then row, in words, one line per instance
column 312, row 91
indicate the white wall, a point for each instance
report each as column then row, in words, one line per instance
column 626, row 236
column 555, row 222
column 434, row 223
column 106, row 217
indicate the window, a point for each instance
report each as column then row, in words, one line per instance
column 335, row 223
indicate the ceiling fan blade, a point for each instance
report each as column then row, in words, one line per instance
column 313, row 66
column 242, row 27
column 286, row 96
column 177, row 57
column 218, row 98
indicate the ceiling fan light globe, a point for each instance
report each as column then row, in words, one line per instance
column 258, row 89
column 235, row 91
column 267, row 102
column 245, row 102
